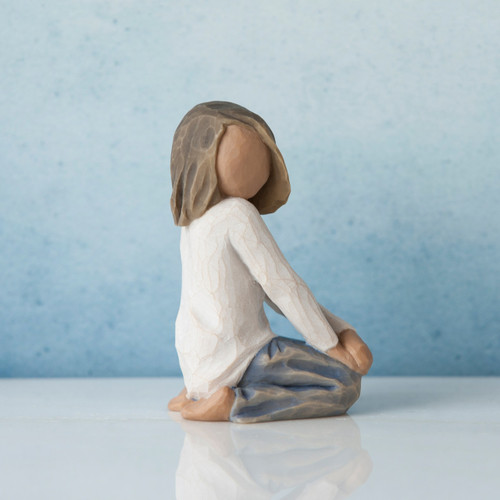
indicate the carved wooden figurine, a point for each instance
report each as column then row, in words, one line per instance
column 227, row 171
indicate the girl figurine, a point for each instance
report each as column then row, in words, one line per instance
column 226, row 171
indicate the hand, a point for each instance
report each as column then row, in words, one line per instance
column 340, row 353
column 352, row 351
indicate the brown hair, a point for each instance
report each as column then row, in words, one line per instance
column 194, row 153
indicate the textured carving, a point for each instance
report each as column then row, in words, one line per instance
column 230, row 263
column 194, row 151
column 226, row 171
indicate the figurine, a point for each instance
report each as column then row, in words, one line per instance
column 226, row 171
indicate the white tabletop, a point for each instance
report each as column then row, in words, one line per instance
column 406, row 438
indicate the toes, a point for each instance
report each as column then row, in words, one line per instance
column 176, row 404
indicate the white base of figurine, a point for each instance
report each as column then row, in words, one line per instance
column 408, row 438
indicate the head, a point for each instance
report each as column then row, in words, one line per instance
column 221, row 149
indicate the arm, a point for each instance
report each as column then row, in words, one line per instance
column 287, row 294
column 272, row 305
column 256, row 247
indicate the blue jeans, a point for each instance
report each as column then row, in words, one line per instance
column 287, row 379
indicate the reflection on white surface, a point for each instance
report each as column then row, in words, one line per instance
column 300, row 459
column 428, row 438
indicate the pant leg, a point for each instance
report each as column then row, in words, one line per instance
column 288, row 379
column 289, row 362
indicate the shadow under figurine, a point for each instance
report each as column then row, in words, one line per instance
column 226, row 171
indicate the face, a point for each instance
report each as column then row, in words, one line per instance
column 243, row 162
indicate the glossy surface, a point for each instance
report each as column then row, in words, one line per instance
column 408, row 438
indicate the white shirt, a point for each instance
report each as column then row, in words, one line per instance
column 230, row 265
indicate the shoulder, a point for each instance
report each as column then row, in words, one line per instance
column 233, row 214
column 239, row 218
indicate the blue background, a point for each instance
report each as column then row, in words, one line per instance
column 387, row 114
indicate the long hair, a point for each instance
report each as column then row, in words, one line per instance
column 194, row 153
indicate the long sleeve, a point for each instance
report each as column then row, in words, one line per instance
column 256, row 247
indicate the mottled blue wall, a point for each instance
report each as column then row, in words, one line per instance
column 387, row 114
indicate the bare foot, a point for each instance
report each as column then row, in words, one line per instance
column 352, row 351
column 177, row 403
column 216, row 408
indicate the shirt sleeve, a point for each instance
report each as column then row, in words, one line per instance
column 253, row 242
